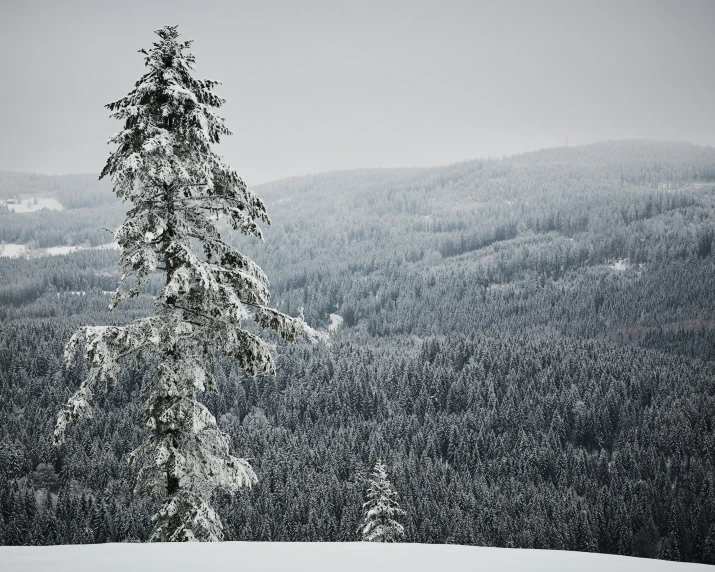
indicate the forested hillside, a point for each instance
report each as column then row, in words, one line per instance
column 529, row 344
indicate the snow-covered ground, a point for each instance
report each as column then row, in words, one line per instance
column 621, row 264
column 60, row 250
column 316, row 557
column 21, row 250
column 33, row 204
column 108, row 246
column 13, row 250
column 335, row 322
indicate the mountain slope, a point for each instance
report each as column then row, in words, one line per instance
column 529, row 343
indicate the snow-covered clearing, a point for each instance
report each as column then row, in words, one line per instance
column 22, row 251
column 335, row 322
column 33, row 204
column 620, row 264
column 12, row 250
column 60, row 250
column 108, row 246
column 623, row 264
column 318, row 556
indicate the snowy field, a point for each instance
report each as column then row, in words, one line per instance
column 335, row 322
column 34, row 204
column 22, row 251
column 12, row 250
column 621, row 264
column 60, row 250
column 314, row 557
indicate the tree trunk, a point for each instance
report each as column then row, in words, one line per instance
column 169, row 262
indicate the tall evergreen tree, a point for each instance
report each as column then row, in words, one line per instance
column 179, row 191
column 381, row 509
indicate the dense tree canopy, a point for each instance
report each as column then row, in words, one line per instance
column 528, row 343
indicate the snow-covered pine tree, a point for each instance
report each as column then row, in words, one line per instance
column 381, row 509
column 178, row 188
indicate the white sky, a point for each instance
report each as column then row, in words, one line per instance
column 317, row 86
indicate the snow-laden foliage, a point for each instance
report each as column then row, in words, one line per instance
column 178, row 188
column 381, row 509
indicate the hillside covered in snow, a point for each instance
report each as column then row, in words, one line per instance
column 318, row 557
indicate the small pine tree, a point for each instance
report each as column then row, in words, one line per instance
column 180, row 190
column 381, row 509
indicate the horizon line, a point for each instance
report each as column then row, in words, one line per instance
column 411, row 167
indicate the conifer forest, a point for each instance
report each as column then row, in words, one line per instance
column 526, row 343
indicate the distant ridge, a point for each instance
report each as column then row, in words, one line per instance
column 601, row 152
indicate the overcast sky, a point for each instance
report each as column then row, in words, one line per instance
column 319, row 86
